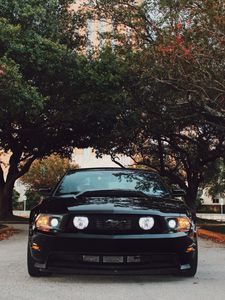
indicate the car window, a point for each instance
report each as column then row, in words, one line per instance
column 81, row 181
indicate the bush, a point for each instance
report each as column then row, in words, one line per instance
column 15, row 198
column 33, row 198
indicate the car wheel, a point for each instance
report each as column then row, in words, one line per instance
column 194, row 264
column 32, row 271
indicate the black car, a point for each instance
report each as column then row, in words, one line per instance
column 112, row 221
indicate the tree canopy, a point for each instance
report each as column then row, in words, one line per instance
column 47, row 172
column 181, row 45
column 175, row 111
column 44, row 107
column 156, row 92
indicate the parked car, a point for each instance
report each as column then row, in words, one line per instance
column 112, row 221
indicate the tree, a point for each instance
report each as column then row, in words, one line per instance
column 214, row 179
column 174, row 119
column 182, row 46
column 46, row 172
column 43, row 94
column 32, row 199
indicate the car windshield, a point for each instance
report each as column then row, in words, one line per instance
column 111, row 180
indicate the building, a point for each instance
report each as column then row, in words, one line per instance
column 86, row 158
column 99, row 30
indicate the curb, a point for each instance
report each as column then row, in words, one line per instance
column 14, row 222
column 215, row 236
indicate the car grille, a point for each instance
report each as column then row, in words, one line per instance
column 116, row 224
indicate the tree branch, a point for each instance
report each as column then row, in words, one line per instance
column 2, row 180
column 25, row 168
column 113, row 158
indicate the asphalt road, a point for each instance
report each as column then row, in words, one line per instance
column 209, row 283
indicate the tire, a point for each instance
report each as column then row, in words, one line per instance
column 32, row 271
column 194, row 264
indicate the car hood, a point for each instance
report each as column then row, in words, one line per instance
column 120, row 205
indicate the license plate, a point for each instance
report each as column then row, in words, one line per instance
column 91, row 258
column 134, row 259
column 113, row 259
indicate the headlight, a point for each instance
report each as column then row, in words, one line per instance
column 172, row 223
column 182, row 224
column 80, row 222
column 46, row 222
column 146, row 223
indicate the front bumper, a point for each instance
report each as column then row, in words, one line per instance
column 153, row 253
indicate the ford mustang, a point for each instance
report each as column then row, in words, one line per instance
column 112, row 221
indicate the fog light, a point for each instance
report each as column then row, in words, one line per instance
column 146, row 223
column 80, row 222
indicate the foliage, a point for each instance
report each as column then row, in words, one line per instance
column 42, row 87
column 174, row 117
column 215, row 179
column 32, row 199
column 157, row 95
column 181, row 45
column 46, row 172
column 15, row 199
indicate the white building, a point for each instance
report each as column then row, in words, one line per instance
column 86, row 158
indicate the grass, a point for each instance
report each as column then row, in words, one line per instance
column 218, row 228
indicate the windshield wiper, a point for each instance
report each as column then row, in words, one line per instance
column 70, row 193
column 77, row 194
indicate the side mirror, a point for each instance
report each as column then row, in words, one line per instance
column 45, row 192
column 178, row 193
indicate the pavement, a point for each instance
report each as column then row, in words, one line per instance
column 15, row 283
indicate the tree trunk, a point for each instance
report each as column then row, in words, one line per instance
column 191, row 196
column 6, row 186
column 6, row 193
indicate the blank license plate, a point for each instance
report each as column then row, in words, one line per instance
column 91, row 258
column 113, row 259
